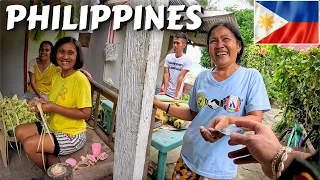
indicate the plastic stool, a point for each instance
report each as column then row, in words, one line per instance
column 165, row 141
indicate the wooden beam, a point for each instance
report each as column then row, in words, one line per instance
column 138, row 76
column 96, row 110
column 112, row 96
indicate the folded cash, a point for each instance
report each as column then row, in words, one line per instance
column 227, row 130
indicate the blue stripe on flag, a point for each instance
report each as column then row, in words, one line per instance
column 294, row 11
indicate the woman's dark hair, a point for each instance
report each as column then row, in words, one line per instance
column 46, row 42
column 60, row 42
column 236, row 33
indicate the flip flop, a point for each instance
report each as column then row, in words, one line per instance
column 37, row 178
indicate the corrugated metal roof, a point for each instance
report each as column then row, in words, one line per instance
column 209, row 18
column 178, row 2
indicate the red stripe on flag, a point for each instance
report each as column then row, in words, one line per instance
column 294, row 33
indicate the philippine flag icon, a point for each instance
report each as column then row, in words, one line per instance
column 286, row 22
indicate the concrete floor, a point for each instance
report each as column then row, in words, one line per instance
column 23, row 169
column 19, row 168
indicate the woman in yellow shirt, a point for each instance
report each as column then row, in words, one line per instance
column 69, row 106
column 41, row 71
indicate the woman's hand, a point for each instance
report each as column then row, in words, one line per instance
column 46, row 106
column 32, row 102
column 262, row 146
column 176, row 98
column 86, row 73
column 212, row 135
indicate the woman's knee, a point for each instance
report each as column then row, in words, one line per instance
column 23, row 131
column 19, row 132
column 29, row 145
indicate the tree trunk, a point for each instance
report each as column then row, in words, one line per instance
column 137, row 87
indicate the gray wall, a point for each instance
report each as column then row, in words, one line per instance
column 100, row 69
column 112, row 68
column 12, row 52
column 164, row 51
column 94, row 62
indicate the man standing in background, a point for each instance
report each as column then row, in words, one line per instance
column 177, row 65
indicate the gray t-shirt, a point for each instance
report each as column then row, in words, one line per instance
column 175, row 66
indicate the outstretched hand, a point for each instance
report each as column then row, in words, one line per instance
column 212, row 134
column 260, row 147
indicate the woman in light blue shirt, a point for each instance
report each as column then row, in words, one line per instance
column 225, row 93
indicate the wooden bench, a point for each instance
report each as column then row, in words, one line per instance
column 102, row 169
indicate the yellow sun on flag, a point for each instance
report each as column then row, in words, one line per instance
column 266, row 22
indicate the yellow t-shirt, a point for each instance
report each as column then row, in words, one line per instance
column 73, row 91
column 44, row 79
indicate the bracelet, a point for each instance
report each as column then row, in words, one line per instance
column 284, row 157
column 273, row 163
column 168, row 109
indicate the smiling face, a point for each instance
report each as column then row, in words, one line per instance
column 45, row 51
column 67, row 56
column 223, row 47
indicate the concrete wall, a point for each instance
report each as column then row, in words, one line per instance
column 100, row 69
column 12, row 52
column 95, row 52
column 112, row 68
column 164, row 51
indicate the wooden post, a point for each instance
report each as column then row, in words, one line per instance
column 138, row 76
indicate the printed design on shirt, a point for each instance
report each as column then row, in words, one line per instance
column 176, row 66
column 201, row 100
column 62, row 93
column 232, row 103
column 214, row 103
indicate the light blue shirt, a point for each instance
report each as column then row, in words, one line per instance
column 244, row 91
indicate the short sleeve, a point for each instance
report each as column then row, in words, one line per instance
column 58, row 69
column 31, row 65
column 193, row 97
column 83, row 93
column 257, row 97
column 187, row 64
column 166, row 61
